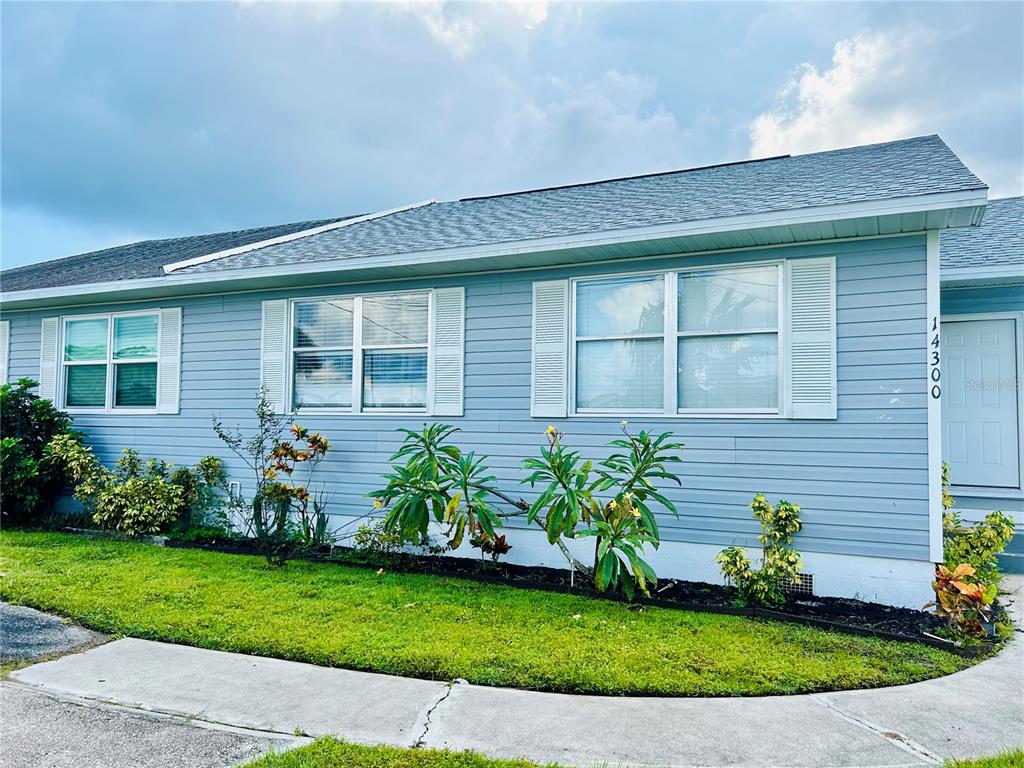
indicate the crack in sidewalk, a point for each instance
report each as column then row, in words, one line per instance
column 420, row 742
column 895, row 738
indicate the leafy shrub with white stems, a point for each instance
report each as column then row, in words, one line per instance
column 432, row 480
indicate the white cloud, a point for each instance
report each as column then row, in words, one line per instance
column 847, row 104
column 458, row 28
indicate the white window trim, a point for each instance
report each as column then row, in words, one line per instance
column 357, row 348
column 999, row 492
column 109, row 362
column 670, row 407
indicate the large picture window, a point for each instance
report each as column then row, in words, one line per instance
column 371, row 351
column 110, row 362
column 715, row 349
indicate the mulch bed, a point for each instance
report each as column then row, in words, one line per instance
column 835, row 613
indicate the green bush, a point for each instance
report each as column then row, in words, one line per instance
column 780, row 562
column 137, row 498
column 29, row 422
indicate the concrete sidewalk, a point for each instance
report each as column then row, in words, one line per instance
column 975, row 712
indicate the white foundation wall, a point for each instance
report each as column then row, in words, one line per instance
column 890, row 581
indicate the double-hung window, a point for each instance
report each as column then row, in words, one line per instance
column 694, row 341
column 110, row 362
column 620, row 344
column 361, row 353
column 728, row 339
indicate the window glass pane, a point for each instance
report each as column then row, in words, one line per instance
column 86, row 386
column 729, row 299
column 323, row 323
column 395, row 319
column 322, row 380
column 85, row 340
column 135, row 336
column 135, row 385
column 395, row 378
column 620, row 307
column 616, row 375
column 729, row 371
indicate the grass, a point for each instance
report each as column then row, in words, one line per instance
column 439, row 628
column 331, row 753
column 1012, row 759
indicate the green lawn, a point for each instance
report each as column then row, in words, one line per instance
column 439, row 628
column 1012, row 759
column 330, row 753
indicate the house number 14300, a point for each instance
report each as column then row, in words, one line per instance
column 934, row 372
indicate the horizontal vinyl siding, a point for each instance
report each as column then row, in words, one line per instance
column 861, row 480
column 967, row 301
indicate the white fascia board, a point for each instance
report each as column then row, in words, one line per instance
column 168, row 268
column 821, row 214
column 1005, row 273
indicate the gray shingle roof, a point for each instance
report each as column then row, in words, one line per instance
column 998, row 242
column 905, row 168
column 898, row 169
column 136, row 260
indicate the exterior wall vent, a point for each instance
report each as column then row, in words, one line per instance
column 803, row 585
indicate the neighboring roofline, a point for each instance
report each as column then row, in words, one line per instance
column 1005, row 274
column 804, row 216
column 205, row 259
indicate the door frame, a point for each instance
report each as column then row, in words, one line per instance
column 1018, row 318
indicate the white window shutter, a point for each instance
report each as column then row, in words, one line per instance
column 168, row 379
column 5, row 349
column 274, row 347
column 48, row 348
column 448, row 353
column 549, row 381
column 811, row 327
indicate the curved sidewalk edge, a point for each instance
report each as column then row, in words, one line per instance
column 971, row 713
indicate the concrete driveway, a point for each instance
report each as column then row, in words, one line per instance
column 51, row 730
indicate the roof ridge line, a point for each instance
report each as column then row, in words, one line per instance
column 217, row 255
column 595, row 182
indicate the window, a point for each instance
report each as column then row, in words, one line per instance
column 371, row 351
column 620, row 327
column 728, row 337
column 716, row 349
column 110, row 361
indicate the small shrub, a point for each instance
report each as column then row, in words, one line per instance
column 780, row 562
column 29, row 423
column 283, row 516
column 377, row 539
column 978, row 545
column 965, row 604
column 493, row 546
column 135, row 497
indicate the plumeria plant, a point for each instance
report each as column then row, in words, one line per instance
column 623, row 521
column 432, row 480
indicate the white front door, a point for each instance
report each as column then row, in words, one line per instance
column 981, row 402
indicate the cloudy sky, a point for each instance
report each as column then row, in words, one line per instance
column 127, row 121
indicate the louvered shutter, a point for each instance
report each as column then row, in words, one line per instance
column 448, row 336
column 274, row 346
column 811, row 326
column 5, row 349
column 168, row 381
column 48, row 358
column 549, row 382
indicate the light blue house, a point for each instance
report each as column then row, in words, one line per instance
column 983, row 344
column 781, row 316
